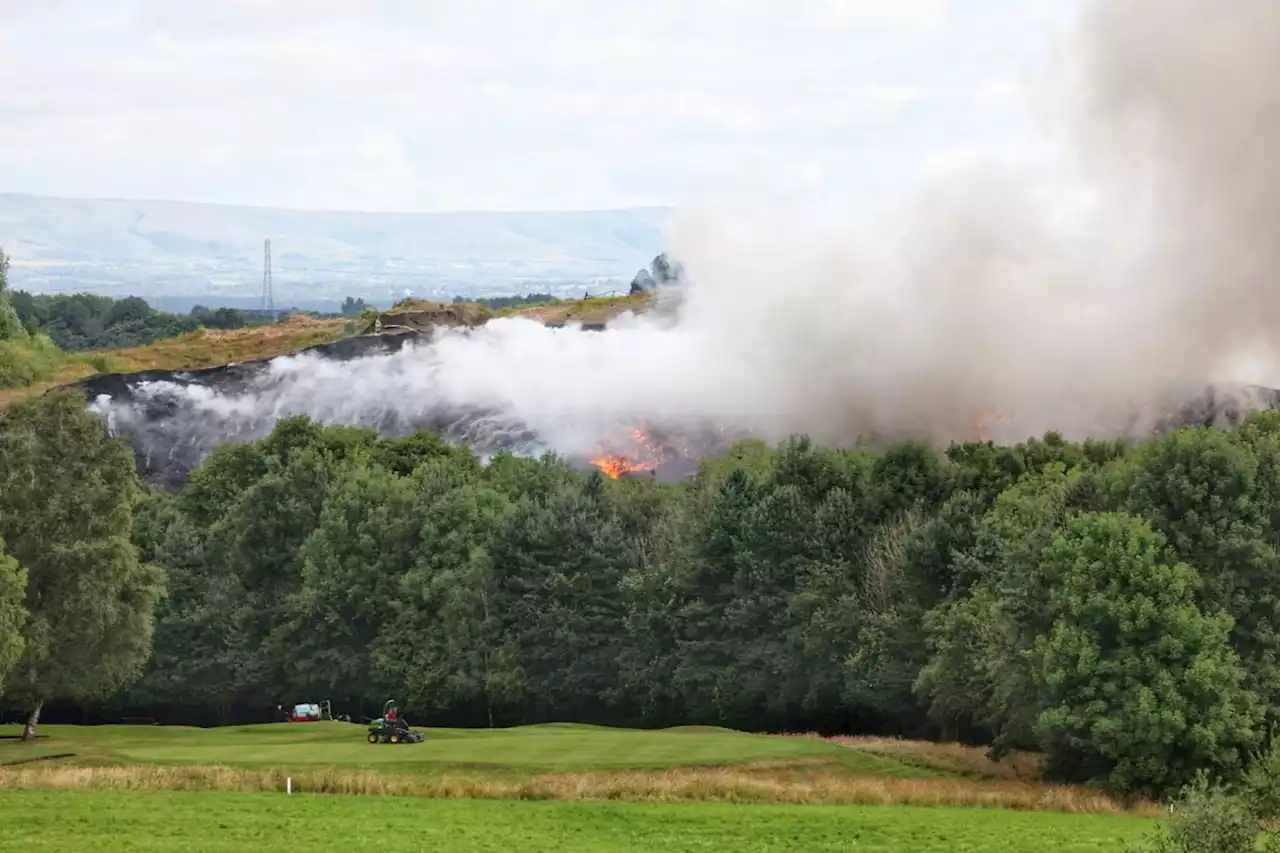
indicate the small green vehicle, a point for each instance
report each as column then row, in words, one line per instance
column 392, row 728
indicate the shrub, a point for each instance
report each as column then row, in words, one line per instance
column 1260, row 786
column 24, row 360
column 1208, row 818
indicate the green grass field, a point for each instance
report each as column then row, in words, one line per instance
column 39, row 822
column 526, row 749
column 535, row 788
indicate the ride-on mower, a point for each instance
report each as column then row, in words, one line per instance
column 392, row 728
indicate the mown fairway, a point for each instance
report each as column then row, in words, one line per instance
column 556, row 788
column 36, row 822
column 529, row 748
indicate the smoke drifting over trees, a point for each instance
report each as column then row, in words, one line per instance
column 1090, row 298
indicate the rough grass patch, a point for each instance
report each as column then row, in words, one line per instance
column 802, row 782
column 954, row 757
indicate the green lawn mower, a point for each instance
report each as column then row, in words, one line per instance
column 392, row 728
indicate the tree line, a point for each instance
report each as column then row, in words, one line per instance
column 82, row 321
column 1114, row 607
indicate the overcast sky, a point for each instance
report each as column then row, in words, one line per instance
column 523, row 104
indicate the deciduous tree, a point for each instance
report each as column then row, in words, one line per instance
column 66, row 498
column 1141, row 688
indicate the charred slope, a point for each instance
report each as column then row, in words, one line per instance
column 174, row 420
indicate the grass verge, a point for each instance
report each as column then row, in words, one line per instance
column 37, row 822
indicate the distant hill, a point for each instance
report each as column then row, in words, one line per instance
column 213, row 253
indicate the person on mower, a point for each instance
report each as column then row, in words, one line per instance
column 392, row 715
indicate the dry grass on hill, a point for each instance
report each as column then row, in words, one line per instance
column 588, row 311
column 959, row 758
column 199, row 349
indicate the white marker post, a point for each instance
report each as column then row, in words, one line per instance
column 288, row 785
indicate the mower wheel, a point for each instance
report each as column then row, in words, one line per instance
column 373, row 737
column 394, row 738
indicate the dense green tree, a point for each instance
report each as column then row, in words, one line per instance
column 967, row 640
column 559, row 567
column 202, row 657
column 1203, row 490
column 84, row 321
column 353, row 565
column 447, row 643
column 1011, row 591
column 13, row 613
column 986, row 469
column 706, row 665
column 66, row 498
column 1141, row 689
column 258, row 543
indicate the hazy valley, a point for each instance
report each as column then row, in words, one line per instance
column 178, row 254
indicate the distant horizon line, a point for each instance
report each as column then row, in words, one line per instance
column 345, row 212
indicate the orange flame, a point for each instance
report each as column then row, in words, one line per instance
column 648, row 456
column 615, row 466
column 982, row 424
column 640, row 450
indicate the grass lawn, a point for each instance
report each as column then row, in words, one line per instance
column 40, row 822
column 528, row 748
column 570, row 763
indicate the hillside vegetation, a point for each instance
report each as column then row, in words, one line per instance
column 191, row 351
column 93, row 334
column 25, row 357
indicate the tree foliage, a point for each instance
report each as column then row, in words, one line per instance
column 66, row 497
column 1110, row 606
column 13, row 613
column 83, row 321
column 1140, row 688
column 25, row 356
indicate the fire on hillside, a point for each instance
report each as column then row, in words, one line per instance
column 659, row 453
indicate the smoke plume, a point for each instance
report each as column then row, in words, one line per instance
column 1078, row 298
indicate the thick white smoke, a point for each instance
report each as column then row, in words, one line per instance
column 1145, row 262
column 1145, row 265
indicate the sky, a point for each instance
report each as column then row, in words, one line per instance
column 423, row 105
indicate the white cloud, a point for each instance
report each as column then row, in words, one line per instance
column 396, row 104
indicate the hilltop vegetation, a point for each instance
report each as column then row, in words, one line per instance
column 85, row 322
column 25, row 357
column 47, row 340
